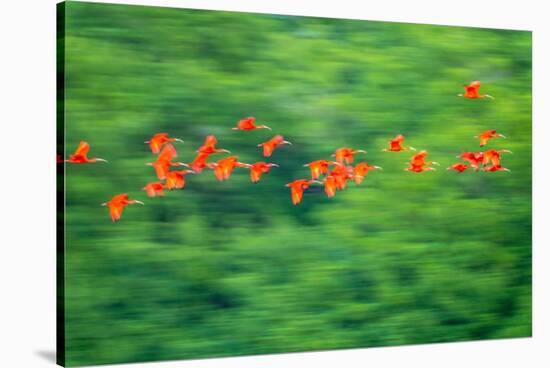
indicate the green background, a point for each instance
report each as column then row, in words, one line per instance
column 234, row 268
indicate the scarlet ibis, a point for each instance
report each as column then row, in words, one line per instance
column 474, row 158
column 249, row 124
column 472, row 91
column 494, row 168
column 493, row 156
column 419, row 159
column 273, row 143
column 396, row 145
column 209, row 146
column 319, row 167
column 80, row 156
column 341, row 175
column 418, row 168
column 176, row 179
column 297, row 188
column 330, row 185
column 258, row 169
column 155, row 189
column 158, row 140
column 118, row 203
column 488, row 134
column 460, row 167
column 345, row 154
column 361, row 170
column 223, row 168
column 199, row 162
column 164, row 161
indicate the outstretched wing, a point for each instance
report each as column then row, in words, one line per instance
column 115, row 210
column 168, row 153
column 296, row 193
column 82, row 149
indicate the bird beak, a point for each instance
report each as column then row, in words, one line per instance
column 316, row 181
column 361, row 151
column 507, row 151
column 491, row 97
column 507, row 170
column 273, row 165
column 412, row 148
column 287, row 142
column 191, row 172
column 226, row 151
column 266, row 127
column 140, row 202
column 149, row 164
column 436, row 163
column 146, row 142
column 104, row 204
column 179, row 140
column 101, row 159
column 261, row 144
column 378, row 167
column 502, row 136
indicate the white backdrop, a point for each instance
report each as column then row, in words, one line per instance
column 27, row 182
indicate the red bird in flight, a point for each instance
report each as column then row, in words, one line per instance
column 199, row 162
column 419, row 168
column 472, row 91
column 209, row 146
column 223, row 168
column 493, row 156
column 80, row 156
column 249, row 124
column 460, row 167
column 419, row 159
column 297, row 188
column 488, row 134
column 474, row 158
column 396, row 145
column 273, row 143
column 164, row 161
column 155, row 189
column 258, row 169
column 361, row 170
column 345, row 155
column 319, row 167
column 176, row 179
column 158, row 140
column 117, row 204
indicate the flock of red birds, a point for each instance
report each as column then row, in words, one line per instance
column 332, row 174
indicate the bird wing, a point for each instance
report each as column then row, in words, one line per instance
column 115, row 210
column 161, row 168
column 155, row 145
column 82, row 149
column 483, row 140
column 330, row 186
column 255, row 174
column 296, row 193
column 340, row 155
column 168, row 153
column 210, row 141
column 150, row 190
column 395, row 145
column 268, row 148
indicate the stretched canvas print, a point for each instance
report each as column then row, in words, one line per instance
column 238, row 184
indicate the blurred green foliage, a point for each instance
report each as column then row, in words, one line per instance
column 234, row 268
